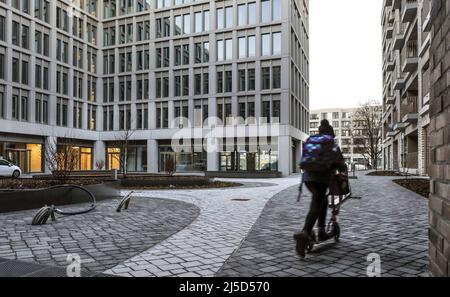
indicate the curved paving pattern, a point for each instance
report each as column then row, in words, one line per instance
column 203, row 247
column 388, row 220
column 102, row 238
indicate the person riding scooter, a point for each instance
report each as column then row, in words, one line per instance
column 321, row 158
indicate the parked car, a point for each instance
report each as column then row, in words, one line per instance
column 8, row 169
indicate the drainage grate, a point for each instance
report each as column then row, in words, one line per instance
column 241, row 200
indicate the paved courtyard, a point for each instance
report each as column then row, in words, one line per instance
column 387, row 220
column 102, row 238
column 245, row 231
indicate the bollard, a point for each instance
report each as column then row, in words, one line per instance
column 114, row 174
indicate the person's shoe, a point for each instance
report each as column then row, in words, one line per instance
column 302, row 239
column 322, row 235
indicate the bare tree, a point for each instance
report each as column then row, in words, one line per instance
column 62, row 158
column 170, row 164
column 100, row 164
column 366, row 131
column 122, row 142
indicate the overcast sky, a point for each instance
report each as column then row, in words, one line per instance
column 345, row 52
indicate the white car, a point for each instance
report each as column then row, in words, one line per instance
column 9, row 169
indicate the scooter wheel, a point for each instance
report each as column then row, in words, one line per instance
column 337, row 232
column 311, row 242
column 310, row 246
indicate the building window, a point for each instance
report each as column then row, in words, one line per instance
column 187, row 24
column 265, row 11
column 142, row 116
column 92, row 117
column 229, row 17
column 265, row 44
column 242, row 43
column 220, row 18
column 61, row 112
column 25, row 37
column 276, row 43
column 265, row 75
column 276, row 77
column 251, row 79
column 15, row 33
column 220, row 50
column 242, row 14
column 241, row 80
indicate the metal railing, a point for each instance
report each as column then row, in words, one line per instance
column 408, row 106
column 410, row 50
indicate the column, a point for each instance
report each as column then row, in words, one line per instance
column 284, row 155
column 49, row 154
column 152, row 156
column 212, row 153
column 99, row 154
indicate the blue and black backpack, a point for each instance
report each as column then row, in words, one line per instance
column 319, row 153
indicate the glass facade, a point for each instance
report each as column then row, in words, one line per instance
column 250, row 157
column 81, row 155
column 187, row 161
column 28, row 156
column 136, row 158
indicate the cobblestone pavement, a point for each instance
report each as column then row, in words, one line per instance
column 102, row 238
column 388, row 220
column 203, row 247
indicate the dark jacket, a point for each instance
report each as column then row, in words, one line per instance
column 325, row 176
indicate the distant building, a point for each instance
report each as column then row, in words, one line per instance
column 342, row 121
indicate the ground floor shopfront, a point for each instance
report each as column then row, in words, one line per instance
column 270, row 154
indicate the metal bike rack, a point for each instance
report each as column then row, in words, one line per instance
column 47, row 212
column 125, row 202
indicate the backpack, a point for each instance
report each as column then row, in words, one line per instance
column 319, row 153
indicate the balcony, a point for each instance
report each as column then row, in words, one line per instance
column 389, row 30
column 390, row 65
column 390, row 99
column 409, row 111
column 397, row 4
column 400, row 127
column 399, row 83
column 426, row 19
column 410, row 57
column 399, row 36
column 409, row 11
column 391, row 134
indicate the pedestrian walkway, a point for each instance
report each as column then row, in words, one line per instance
column 226, row 217
column 243, row 231
column 389, row 221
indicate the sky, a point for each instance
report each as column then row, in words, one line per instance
column 345, row 52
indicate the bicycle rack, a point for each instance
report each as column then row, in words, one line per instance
column 46, row 212
column 125, row 202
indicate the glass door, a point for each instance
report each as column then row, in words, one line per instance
column 21, row 158
column 167, row 162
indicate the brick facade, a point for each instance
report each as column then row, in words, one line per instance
column 439, row 202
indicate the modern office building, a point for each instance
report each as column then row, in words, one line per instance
column 406, row 85
column 88, row 70
column 350, row 140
